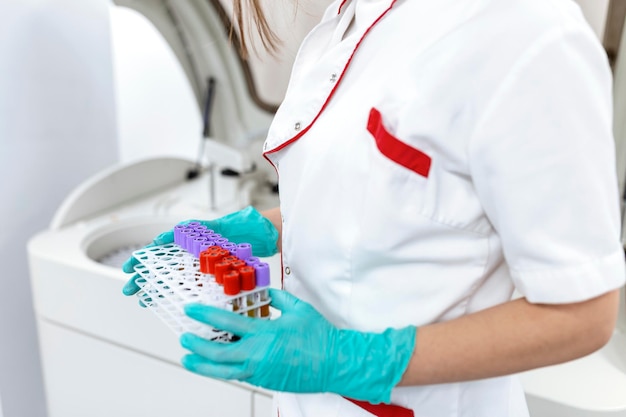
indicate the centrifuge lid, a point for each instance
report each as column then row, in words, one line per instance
column 247, row 92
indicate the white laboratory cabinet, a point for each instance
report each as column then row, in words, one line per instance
column 102, row 354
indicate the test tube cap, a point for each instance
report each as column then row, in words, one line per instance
column 220, row 269
column 244, row 250
column 262, row 271
column 178, row 231
column 252, row 260
column 206, row 245
column 182, row 237
column 248, row 281
column 238, row 263
column 221, row 241
column 204, row 262
column 189, row 237
column 212, row 258
column 230, row 247
column 232, row 285
column 196, row 245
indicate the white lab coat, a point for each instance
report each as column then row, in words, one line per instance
column 433, row 155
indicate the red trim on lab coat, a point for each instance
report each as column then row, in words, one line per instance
column 341, row 6
column 332, row 92
column 383, row 410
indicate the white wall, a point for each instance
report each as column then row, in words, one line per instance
column 57, row 127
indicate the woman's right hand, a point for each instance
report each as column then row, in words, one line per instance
column 247, row 225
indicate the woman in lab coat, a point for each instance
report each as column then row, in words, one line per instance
column 433, row 157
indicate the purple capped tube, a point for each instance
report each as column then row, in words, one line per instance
column 252, row 260
column 214, row 236
column 206, row 245
column 183, row 237
column 262, row 273
column 196, row 244
column 178, row 232
column 244, row 251
column 221, row 241
column 230, row 247
column 200, row 229
column 189, row 237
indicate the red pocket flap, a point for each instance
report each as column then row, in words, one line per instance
column 396, row 150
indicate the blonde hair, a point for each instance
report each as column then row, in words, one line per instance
column 253, row 10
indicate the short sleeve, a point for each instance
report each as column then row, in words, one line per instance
column 542, row 159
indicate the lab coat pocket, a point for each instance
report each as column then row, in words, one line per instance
column 407, row 156
column 397, row 187
column 411, row 181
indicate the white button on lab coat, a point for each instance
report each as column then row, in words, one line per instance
column 462, row 149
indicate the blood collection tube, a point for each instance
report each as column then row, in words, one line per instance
column 221, row 241
column 230, row 247
column 252, row 260
column 229, row 258
column 232, row 286
column 224, row 253
column 200, row 229
column 262, row 274
column 213, row 258
column 208, row 257
column 178, row 231
column 204, row 261
column 189, row 237
column 238, row 263
column 244, row 251
column 248, row 283
column 206, row 245
column 196, row 245
column 183, row 236
column 220, row 269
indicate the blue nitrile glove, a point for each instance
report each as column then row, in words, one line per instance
column 300, row 352
column 247, row 225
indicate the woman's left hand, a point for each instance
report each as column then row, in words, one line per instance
column 300, row 352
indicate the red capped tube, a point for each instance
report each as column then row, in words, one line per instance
column 232, row 286
column 238, row 264
column 230, row 258
column 204, row 262
column 212, row 258
column 221, row 268
column 248, row 281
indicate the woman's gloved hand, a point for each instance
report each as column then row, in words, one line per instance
column 300, row 352
column 247, row 225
